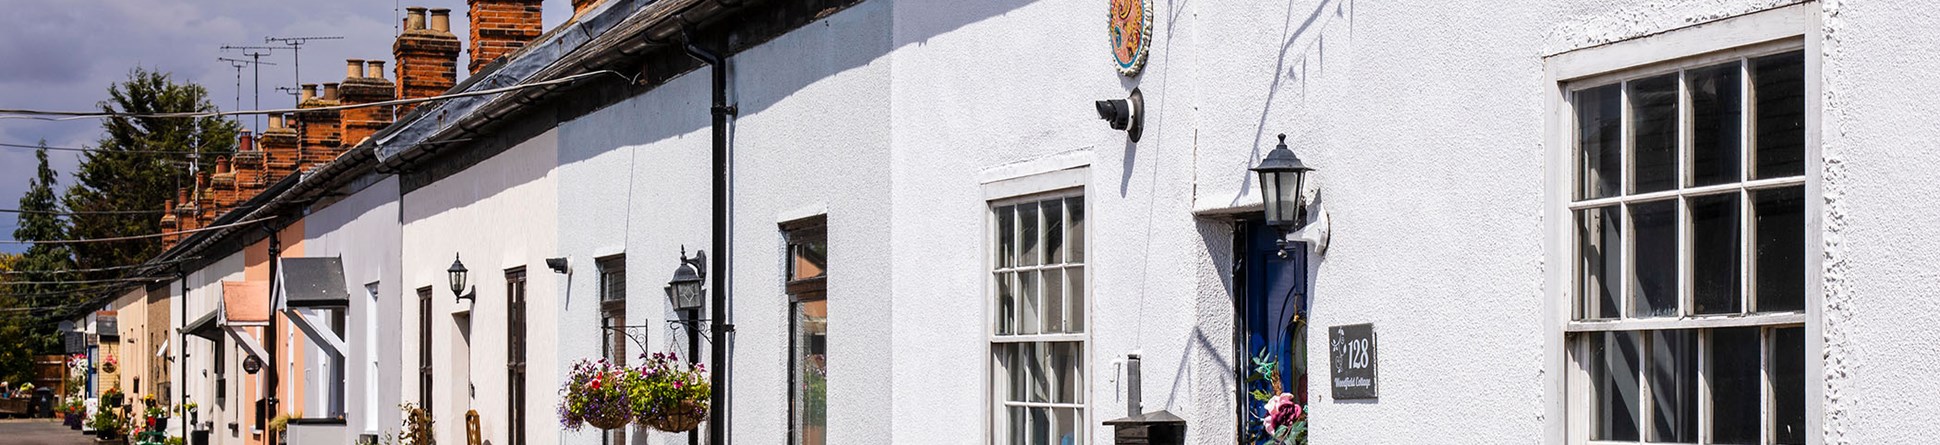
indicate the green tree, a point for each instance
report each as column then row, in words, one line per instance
column 24, row 328
column 139, row 163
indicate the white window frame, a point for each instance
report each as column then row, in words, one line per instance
column 1775, row 30
column 1055, row 184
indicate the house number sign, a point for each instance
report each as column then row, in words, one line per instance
column 1353, row 354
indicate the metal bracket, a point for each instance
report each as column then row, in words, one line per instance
column 639, row 339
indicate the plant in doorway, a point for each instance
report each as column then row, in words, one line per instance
column 597, row 394
column 671, row 395
column 1285, row 419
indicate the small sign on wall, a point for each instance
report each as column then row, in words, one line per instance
column 1352, row 350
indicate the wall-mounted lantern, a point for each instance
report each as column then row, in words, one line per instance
column 458, row 275
column 1282, row 183
column 685, row 288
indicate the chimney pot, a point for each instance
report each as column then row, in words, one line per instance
column 245, row 141
column 309, row 91
column 376, row 70
column 181, row 195
column 353, row 68
column 330, row 91
column 441, row 19
column 169, row 205
column 222, row 164
column 414, row 18
column 275, row 121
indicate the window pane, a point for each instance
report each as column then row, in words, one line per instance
column 1027, row 235
column 1012, row 355
column 1779, row 231
column 1733, row 358
column 1653, row 269
column 1067, row 432
column 1613, row 373
column 1715, row 254
column 1006, row 312
column 1038, row 379
column 1040, row 429
column 810, row 259
column 1016, row 433
column 1653, row 123
column 1717, row 119
column 1673, row 386
column 1031, row 308
column 1074, row 277
column 1053, row 301
column 1054, row 231
column 1600, row 238
column 1006, row 236
column 1075, row 235
column 811, row 372
column 1599, row 125
column 1788, row 385
column 1065, row 360
column 1778, row 84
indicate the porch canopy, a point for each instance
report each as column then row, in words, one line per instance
column 313, row 283
column 204, row 326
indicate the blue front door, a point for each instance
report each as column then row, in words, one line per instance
column 1273, row 318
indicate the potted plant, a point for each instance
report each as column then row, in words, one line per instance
column 596, row 393
column 107, row 427
column 670, row 395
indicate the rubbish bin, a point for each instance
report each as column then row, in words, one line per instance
column 43, row 405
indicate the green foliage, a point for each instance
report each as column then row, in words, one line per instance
column 666, row 386
column 113, row 177
column 26, row 331
column 106, row 423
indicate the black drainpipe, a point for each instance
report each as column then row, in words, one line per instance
column 270, row 364
column 181, row 383
column 719, row 324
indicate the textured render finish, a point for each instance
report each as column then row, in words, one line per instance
column 812, row 136
column 205, row 290
column 1880, row 248
column 498, row 214
column 363, row 230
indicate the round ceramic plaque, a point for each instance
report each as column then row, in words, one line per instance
column 1131, row 34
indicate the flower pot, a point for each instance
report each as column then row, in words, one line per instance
column 686, row 417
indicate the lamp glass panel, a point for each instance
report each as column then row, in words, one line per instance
column 1289, row 198
column 1269, row 196
column 458, row 282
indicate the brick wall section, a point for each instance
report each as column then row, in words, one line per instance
column 358, row 123
column 169, row 225
column 427, row 59
column 318, row 134
column 500, row 27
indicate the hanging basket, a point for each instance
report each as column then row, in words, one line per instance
column 609, row 422
column 685, row 417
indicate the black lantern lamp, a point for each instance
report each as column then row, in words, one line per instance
column 685, row 288
column 1282, row 177
column 458, row 274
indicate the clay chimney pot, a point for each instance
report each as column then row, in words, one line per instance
column 376, row 70
column 181, row 195
column 222, row 164
column 309, row 91
column 353, row 68
column 414, row 18
column 441, row 19
column 275, row 121
column 330, row 91
column 245, row 141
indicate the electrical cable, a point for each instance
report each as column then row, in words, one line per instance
column 105, row 280
column 84, row 212
column 97, row 269
column 75, row 115
column 90, row 150
column 135, row 237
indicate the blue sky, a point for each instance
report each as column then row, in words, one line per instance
column 63, row 56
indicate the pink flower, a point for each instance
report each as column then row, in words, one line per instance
column 1281, row 411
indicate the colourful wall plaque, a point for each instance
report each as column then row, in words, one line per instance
column 1131, row 34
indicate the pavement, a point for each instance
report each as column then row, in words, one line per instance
column 40, row 432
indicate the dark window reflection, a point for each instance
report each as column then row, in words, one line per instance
column 1715, row 238
column 1735, row 390
column 1717, row 118
column 1653, row 271
column 1599, row 131
column 1653, row 121
column 1778, row 85
column 1780, row 257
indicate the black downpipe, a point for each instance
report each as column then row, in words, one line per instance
column 270, row 364
column 181, row 388
column 716, row 430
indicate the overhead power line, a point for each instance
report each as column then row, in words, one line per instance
column 74, row 115
column 135, row 237
column 104, row 280
column 86, row 149
column 97, row 269
column 84, row 212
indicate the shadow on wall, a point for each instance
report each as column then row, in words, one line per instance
column 1298, row 63
column 681, row 105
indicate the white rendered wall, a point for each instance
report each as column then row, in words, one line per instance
column 812, row 138
column 205, row 292
column 363, row 230
column 497, row 214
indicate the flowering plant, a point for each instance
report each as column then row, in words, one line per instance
column 597, row 393
column 1285, row 421
column 671, row 395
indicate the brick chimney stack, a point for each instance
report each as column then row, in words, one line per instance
column 427, row 56
column 318, row 134
column 359, row 123
column 500, row 27
column 169, row 224
column 581, row 6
